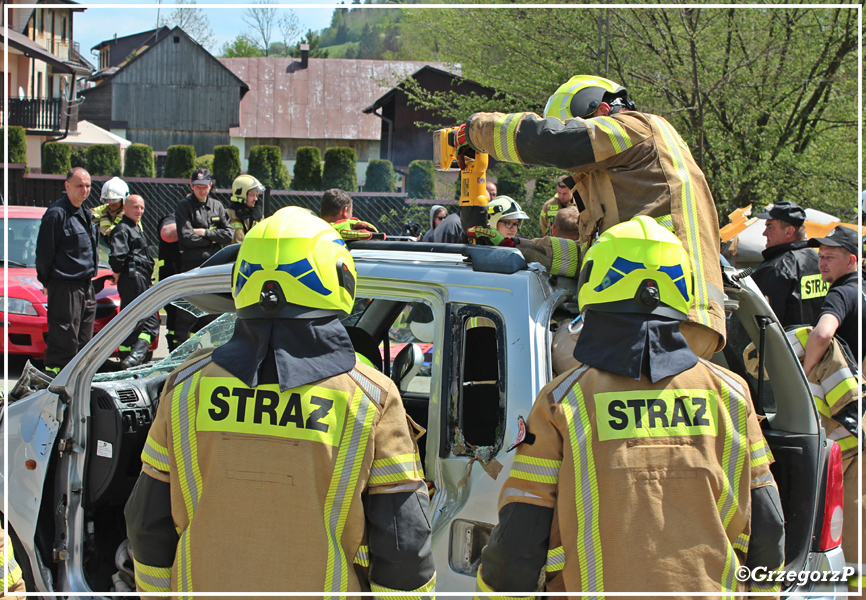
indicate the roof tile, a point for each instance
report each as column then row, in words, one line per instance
column 323, row 101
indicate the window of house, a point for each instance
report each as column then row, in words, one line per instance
column 40, row 25
column 63, row 29
column 39, row 85
column 475, row 379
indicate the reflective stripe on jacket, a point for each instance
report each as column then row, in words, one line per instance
column 654, row 476
column 627, row 164
column 834, row 387
column 261, row 479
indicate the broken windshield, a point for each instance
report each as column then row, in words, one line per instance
column 212, row 336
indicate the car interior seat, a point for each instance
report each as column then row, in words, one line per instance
column 407, row 363
column 365, row 345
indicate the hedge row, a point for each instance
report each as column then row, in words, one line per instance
column 226, row 164
column 179, row 162
column 56, row 158
column 17, row 144
column 139, row 161
column 308, row 169
column 266, row 165
column 340, row 169
column 103, row 160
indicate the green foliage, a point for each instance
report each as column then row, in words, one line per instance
column 380, row 176
column 762, row 98
column 545, row 183
column 205, row 161
column 511, row 180
column 17, row 144
column 55, row 158
column 392, row 220
column 340, row 169
column 360, row 33
column 103, row 160
column 242, row 46
column 266, row 165
column 308, row 169
column 78, row 157
column 179, row 162
column 420, row 181
column 313, row 39
column 139, row 161
column 226, row 164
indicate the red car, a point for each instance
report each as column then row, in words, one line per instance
column 27, row 322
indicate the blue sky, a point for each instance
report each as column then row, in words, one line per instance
column 99, row 23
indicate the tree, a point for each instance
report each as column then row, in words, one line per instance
column 290, row 28
column 261, row 21
column 761, row 97
column 313, row 40
column 241, row 47
column 193, row 21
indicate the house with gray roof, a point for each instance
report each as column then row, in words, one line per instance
column 168, row 90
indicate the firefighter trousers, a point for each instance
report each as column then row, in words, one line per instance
column 131, row 286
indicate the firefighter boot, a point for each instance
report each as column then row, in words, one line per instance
column 136, row 355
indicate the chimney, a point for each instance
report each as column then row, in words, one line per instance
column 305, row 55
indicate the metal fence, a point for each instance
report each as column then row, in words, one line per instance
column 388, row 212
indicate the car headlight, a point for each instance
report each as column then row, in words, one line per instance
column 17, row 306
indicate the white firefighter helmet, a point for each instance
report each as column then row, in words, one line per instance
column 114, row 190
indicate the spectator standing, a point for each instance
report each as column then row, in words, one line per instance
column 13, row 577
column 564, row 197
column 203, row 229
column 169, row 264
column 437, row 215
column 789, row 276
column 491, row 190
column 449, row 231
column 66, row 261
column 202, row 222
column 132, row 264
column 840, row 316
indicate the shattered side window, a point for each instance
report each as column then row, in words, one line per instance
column 476, row 397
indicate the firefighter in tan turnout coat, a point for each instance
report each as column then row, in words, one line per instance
column 644, row 468
column 625, row 163
column 278, row 463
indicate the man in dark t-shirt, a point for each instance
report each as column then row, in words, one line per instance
column 837, row 260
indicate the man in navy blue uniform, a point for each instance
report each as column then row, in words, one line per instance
column 65, row 264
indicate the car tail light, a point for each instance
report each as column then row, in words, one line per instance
column 831, row 528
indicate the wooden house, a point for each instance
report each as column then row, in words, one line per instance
column 401, row 140
column 168, row 92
